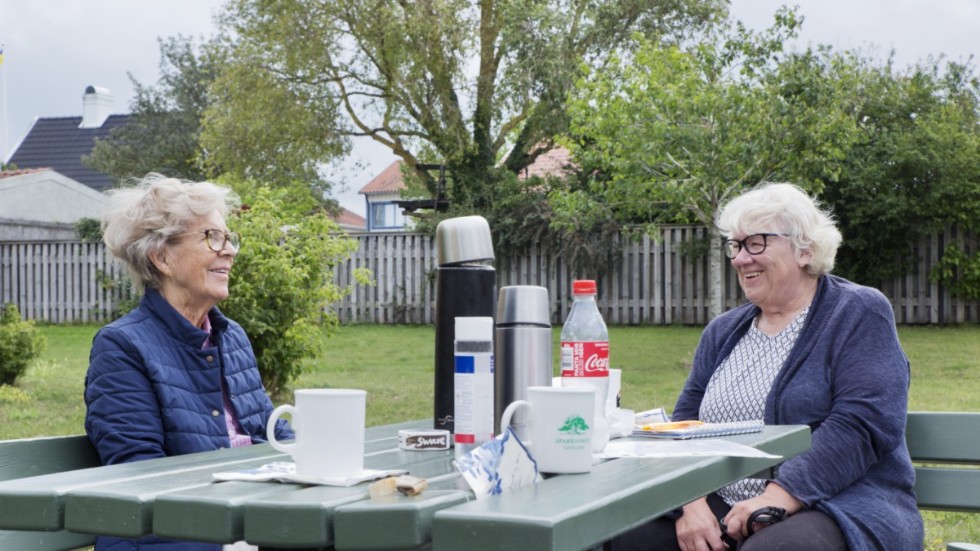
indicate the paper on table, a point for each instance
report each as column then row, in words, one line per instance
column 679, row 448
column 285, row 471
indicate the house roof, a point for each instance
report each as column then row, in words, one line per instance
column 349, row 220
column 389, row 181
column 44, row 195
column 59, row 143
column 554, row 162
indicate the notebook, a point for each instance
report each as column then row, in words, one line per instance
column 697, row 429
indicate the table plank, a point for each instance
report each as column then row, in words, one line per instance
column 38, row 503
column 307, row 518
column 580, row 511
column 125, row 509
column 298, row 516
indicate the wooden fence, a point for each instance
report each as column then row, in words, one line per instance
column 649, row 281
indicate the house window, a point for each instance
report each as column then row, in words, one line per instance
column 386, row 215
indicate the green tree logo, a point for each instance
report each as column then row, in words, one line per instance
column 574, row 425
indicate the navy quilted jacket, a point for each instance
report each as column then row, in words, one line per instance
column 848, row 379
column 152, row 391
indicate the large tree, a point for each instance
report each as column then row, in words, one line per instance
column 914, row 170
column 454, row 82
column 673, row 132
column 162, row 133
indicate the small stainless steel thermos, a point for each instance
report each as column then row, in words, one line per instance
column 522, row 350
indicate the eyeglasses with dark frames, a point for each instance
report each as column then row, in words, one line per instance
column 753, row 244
column 217, row 239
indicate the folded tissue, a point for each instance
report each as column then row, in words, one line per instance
column 500, row 464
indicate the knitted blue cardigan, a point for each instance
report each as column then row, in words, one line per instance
column 847, row 377
column 152, row 391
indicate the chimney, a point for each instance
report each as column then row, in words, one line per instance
column 97, row 105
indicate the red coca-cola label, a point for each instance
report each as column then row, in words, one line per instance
column 585, row 359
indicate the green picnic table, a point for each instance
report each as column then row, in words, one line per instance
column 178, row 497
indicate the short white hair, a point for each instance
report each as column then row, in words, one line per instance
column 141, row 219
column 786, row 209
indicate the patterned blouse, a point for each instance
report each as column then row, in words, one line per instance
column 738, row 389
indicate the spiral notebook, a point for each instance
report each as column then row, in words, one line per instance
column 681, row 430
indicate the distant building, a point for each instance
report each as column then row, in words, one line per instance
column 42, row 204
column 350, row 221
column 381, row 195
column 554, row 162
column 59, row 143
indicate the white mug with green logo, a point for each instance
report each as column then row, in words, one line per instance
column 559, row 427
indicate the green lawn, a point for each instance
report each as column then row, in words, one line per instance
column 395, row 365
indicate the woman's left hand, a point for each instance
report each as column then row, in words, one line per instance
column 775, row 496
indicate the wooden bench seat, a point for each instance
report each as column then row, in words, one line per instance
column 946, row 450
column 39, row 456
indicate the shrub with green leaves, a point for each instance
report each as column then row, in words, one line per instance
column 20, row 342
column 282, row 284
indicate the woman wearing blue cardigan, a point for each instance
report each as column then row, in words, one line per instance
column 808, row 348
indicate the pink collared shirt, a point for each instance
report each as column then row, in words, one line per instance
column 238, row 440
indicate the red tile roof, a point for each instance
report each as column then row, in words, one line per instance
column 352, row 220
column 554, row 162
column 20, row 171
column 389, row 181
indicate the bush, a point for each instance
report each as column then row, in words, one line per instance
column 20, row 342
column 282, row 285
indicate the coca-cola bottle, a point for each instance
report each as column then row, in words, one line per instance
column 585, row 354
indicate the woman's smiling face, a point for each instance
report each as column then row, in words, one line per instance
column 775, row 276
column 196, row 277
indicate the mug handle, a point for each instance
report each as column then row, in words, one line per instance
column 270, row 428
column 509, row 412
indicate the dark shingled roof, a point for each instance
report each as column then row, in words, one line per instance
column 58, row 143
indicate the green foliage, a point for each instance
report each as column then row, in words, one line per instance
column 281, row 286
column 88, row 230
column 915, row 167
column 670, row 133
column 20, row 343
column 464, row 81
column 162, row 133
column 959, row 271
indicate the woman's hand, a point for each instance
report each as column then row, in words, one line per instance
column 775, row 496
column 698, row 529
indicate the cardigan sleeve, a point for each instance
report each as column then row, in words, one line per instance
column 860, row 358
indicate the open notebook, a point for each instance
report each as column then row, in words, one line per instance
column 696, row 429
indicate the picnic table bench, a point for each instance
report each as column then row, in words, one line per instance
column 953, row 440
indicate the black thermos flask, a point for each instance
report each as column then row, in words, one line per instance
column 466, row 286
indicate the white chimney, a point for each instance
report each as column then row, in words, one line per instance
column 97, row 105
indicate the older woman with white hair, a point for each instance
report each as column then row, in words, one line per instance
column 173, row 376
column 808, row 348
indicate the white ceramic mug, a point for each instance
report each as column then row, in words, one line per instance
column 559, row 426
column 329, row 426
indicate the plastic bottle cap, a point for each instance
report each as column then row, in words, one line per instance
column 474, row 329
column 583, row 287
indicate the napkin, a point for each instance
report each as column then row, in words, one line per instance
column 285, row 471
column 500, row 464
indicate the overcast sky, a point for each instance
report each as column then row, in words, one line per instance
column 53, row 49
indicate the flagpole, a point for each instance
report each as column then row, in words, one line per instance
column 3, row 70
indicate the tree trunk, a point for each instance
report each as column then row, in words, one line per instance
column 715, row 273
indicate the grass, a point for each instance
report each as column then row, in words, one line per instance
column 394, row 364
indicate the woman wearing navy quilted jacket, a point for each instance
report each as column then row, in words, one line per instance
column 173, row 376
column 808, row 348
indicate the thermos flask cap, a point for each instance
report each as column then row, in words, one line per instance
column 462, row 240
column 523, row 305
